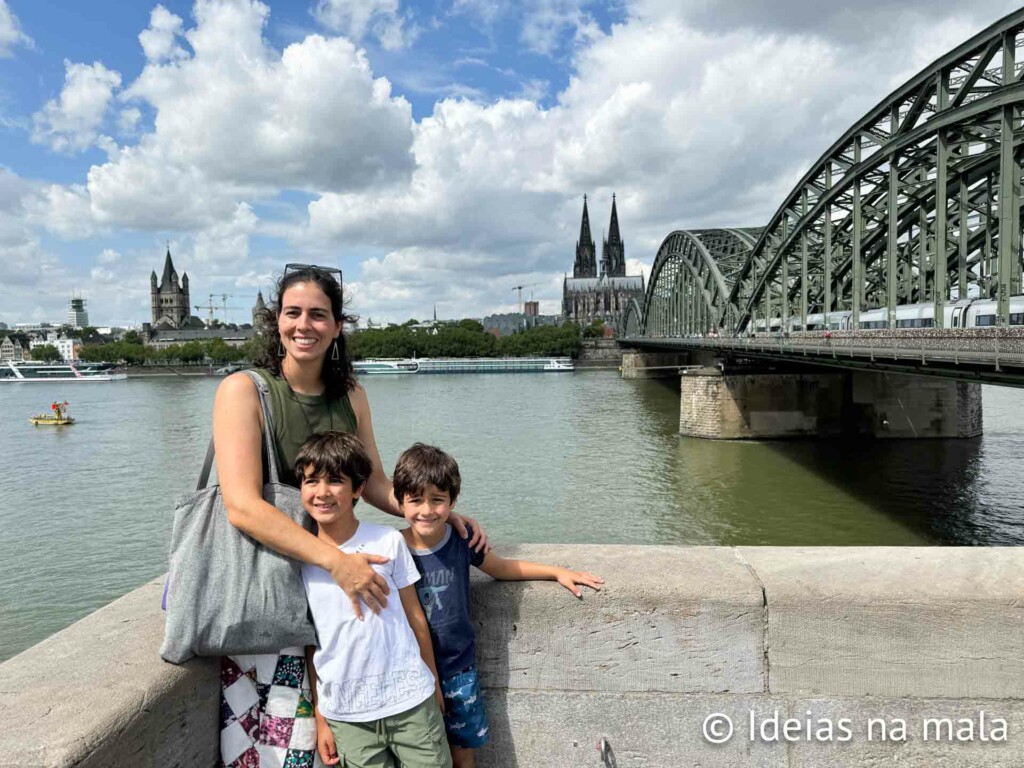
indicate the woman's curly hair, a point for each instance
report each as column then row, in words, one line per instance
column 338, row 375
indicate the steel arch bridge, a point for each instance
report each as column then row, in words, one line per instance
column 919, row 202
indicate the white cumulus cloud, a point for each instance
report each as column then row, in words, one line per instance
column 11, row 35
column 160, row 39
column 234, row 121
column 71, row 122
column 358, row 18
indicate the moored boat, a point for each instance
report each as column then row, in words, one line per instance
column 386, row 366
column 73, row 371
column 391, row 366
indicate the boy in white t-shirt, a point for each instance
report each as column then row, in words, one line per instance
column 374, row 681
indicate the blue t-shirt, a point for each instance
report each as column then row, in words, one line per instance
column 444, row 594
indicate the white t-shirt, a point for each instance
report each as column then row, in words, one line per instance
column 367, row 669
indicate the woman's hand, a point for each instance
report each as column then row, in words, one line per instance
column 325, row 742
column 569, row 580
column 360, row 582
column 479, row 540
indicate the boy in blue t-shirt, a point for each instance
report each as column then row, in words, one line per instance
column 427, row 483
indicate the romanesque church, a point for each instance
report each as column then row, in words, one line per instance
column 171, row 309
column 587, row 297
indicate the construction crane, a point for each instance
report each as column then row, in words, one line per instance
column 211, row 307
column 519, row 288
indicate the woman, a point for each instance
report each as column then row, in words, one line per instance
column 265, row 702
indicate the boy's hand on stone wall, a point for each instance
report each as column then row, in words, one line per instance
column 569, row 580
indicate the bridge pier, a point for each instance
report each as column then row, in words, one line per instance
column 891, row 405
column 752, row 404
column 653, row 365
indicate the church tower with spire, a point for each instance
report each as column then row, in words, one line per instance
column 587, row 297
column 613, row 250
column 169, row 300
column 259, row 310
column 586, row 250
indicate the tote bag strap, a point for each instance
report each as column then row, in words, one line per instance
column 272, row 466
column 204, row 474
column 263, row 391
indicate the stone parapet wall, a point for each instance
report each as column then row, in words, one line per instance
column 678, row 634
column 98, row 695
column 599, row 353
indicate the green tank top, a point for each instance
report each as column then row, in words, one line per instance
column 297, row 416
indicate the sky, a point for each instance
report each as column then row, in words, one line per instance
column 437, row 151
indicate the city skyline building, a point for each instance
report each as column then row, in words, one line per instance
column 78, row 317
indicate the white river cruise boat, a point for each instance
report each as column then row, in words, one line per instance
column 75, row 371
column 395, row 366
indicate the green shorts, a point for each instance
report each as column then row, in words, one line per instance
column 412, row 739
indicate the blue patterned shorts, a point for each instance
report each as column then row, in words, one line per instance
column 465, row 717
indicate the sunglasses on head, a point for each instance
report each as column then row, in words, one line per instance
column 332, row 271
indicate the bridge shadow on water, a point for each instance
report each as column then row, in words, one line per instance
column 927, row 486
column 836, row 491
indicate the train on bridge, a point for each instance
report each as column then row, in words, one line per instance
column 966, row 313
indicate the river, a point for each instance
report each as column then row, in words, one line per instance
column 584, row 457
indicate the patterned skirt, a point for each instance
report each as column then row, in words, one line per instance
column 266, row 712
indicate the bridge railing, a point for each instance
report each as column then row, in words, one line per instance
column 996, row 350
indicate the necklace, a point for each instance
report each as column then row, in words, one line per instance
column 302, row 407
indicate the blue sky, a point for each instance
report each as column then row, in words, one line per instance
column 437, row 151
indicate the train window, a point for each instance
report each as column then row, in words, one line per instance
column 915, row 322
column 985, row 320
column 798, row 327
column 1017, row 318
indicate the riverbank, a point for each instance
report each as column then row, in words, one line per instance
column 171, row 371
column 669, row 665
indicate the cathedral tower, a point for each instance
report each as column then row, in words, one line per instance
column 613, row 250
column 586, row 251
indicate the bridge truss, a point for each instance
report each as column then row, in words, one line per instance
column 918, row 202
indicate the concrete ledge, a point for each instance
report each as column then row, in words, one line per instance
column 562, row 730
column 98, row 694
column 656, row 626
column 679, row 633
column 894, row 621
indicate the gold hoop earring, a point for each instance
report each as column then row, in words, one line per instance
column 335, row 355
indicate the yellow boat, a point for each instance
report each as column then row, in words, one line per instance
column 41, row 419
column 59, row 418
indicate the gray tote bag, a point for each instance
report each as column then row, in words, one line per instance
column 226, row 593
